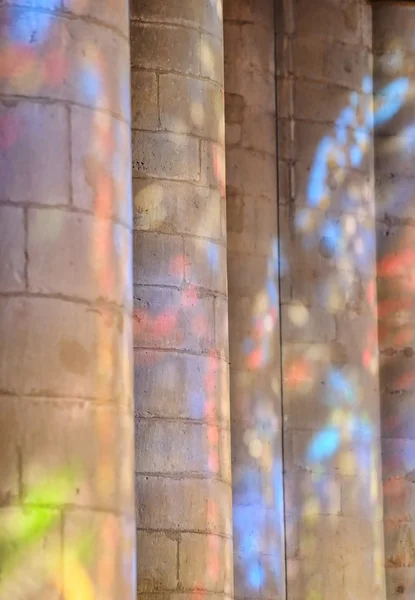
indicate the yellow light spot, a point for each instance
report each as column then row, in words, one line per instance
column 298, row 315
column 255, row 448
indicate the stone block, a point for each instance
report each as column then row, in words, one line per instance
column 234, row 108
column 247, row 275
column 179, row 448
column 101, row 169
column 400, row 583
column 399, row 547
column 78, row 256
column 167, row 48
column 398, row 418
column 250, row 12
column 211, row 58
column 27, row 123
column 182, row 386
column 258, row 131
column 398, row 458
column 222, row 327
column 158, row 259
column 306, row 499
column 328, row 20
column 144, row 100
column 243, row 169
column 108, row 13
column 257, row 88
column 205, row 264
column 241, row 218
column 306, row 55
column 393, row 197
column 213, row 166
column 189, row 105
column 248, row 47
column 156, row 561
column 36, row 570
column 183, row 504
column 173, row 319
column 316, row 577
column 60, row 444
column 165, row 156
column 213, row 569
column 241, row 575
column 177, row 207
column 9, row 457
column 347, row 65
column 109, row 571
column 300, row 324
column 67, row 363
column 69, row 57
column 232, row 134
column 319, row 102
column 204, row 14
column 12, row 249
column 398, row 497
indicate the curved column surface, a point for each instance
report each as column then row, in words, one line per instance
column 328, row 293
column 180, row 299
column 394, row 53
column 253, row 271
column 66, row 426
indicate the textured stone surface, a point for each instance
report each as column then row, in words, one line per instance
column 394, row 186
column 252, row 229
column 66, row 423
column 333, row 494
column 180, row 297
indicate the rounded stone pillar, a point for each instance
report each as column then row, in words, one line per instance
column 333, row 497
column 180, row 298
column 394, row 55
column 66, row 426
column 253, row 272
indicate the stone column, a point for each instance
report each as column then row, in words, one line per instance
column 253, row 269
column 180, row 298
column 394, row 50
column 66, row 427
column 328, row 294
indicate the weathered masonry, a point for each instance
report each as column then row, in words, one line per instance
column 206, row 219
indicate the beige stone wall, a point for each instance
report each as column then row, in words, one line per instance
column 253, row 271
column 393, row 34
column 180, row 299
column 328, row 293
column 66, row 428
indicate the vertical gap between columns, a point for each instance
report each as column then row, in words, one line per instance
column 26, row 247
column 277, row 175
column 69, row 125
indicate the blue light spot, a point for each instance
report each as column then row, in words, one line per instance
column 256, row 576
column 317, row 186
column 408, row 137
column 332, row 233
column 356, row 156
column 340, row 385
column 391, row 98
column 213, row 255
column 272, row 293
column 367, row 85
column 324, row 445
column 30, row 28
column 197, row 402
column 91, row 82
